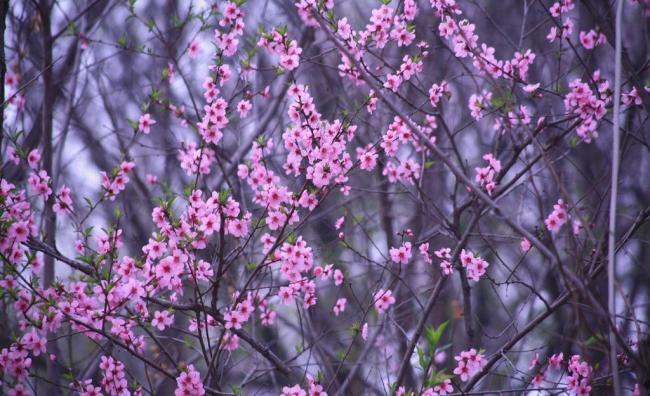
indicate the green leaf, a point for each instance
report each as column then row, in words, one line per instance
column 150, row 24
column 422, row 360
column 132, row 7
column 132, row 123
column 71, row 29
column 176, row 21
column 88, row 202
column 497, row 101
column 155, row 95
column 122, row 41
column 437, row 378
column 433, row 335
column 223, row 195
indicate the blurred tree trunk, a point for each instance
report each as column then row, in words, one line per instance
column 53, row 372
column 4, row 10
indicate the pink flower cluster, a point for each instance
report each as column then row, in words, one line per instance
column 63, row 204
column 401, row 255
column 15, row 361
column 519, row 65
column 379, row 28
column 306, row 7
column 162, row 320
column 558, row 9
column 445, row 265
column 237, row 317
column 558, row 217
column 233, row 21
column 470, row 362
column 40, row 183
column 424, row 252
column 114, row 380
column 584, row 103
column 12, row 82
column 479, row 102
column 463, row 38
column 214, row 120
column 367, row 157
column 116, row 182
column 313, row 389
column 580, row 373
column 437, row 91
column 189, row 383
column 267, row 315
column 632, row 98
column 86, row 388
column 339, row 306
column 579, row 370
column 592, row 39
column 485, row 176
column 441, row 389
column 295, row 259
column 383, row 300
column 316, row 145
column 16, row 213
column 475, row 266
column 279, row 44
column 398, row 134
column 196, row 160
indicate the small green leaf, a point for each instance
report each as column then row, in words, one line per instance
column 150, row 24
column 422, row 360
column 132, row 7
column 122, row 41
column 433, row 335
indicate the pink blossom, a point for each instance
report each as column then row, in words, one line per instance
column 339, row 306
column 556, row 360
column 558, row 217
column 189, row 383
column 401, row 255
column 364, row 331
column 33, row 158
column 338, row 277
column 145, row 122
column 383, row 300
column 193, row 49
column 470, row 362
column 244, row 107
column 162, row 320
